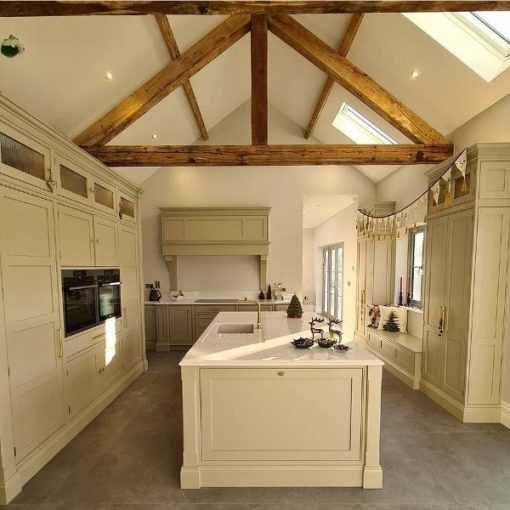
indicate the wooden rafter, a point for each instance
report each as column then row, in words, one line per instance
column 173, row 50
column 165, row 82
column 354, row 80
column 343, row 49
column 88, row 8
column 259, row 79
column 267, row 155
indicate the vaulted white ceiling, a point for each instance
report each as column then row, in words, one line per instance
column 60, row 76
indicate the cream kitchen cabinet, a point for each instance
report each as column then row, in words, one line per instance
column 151, row 332
column 86, row 240
column 466, row 275
column 58, row 209
column 32, row 319
column 106, row 242
column 181, row 325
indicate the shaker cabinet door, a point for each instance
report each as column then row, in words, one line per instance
column 106, row 242
column 76, row 237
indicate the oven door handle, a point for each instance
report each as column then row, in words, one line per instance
column 81, row 287
column 109, row 284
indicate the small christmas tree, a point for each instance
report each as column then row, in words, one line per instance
column 392, row 323
column 295, row 310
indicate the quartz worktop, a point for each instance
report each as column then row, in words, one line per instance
column 214, row 301
column 269, row 345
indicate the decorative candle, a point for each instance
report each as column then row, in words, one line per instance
column 400, row 284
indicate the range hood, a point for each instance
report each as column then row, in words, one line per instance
column 214, row 231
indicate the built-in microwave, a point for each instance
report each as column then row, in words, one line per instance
column 90, row 297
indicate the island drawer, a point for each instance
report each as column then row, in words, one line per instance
column 258, row 414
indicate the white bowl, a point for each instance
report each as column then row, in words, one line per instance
column 177, row 298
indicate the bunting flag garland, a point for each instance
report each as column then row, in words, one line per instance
column 409, row 217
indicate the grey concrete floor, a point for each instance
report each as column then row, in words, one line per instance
column 129, row 458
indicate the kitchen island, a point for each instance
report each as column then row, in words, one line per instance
column 259, row 412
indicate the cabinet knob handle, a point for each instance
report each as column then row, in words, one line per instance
column 280, row 373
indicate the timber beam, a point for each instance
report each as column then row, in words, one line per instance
column 166, row 81
column 269, row 155
column 354, row 80
column 16, row 8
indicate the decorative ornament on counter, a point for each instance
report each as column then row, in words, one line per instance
column 302, row 343
column 261, row 295
column 335, row 329
column 11, row 47
column 294, row 310
column 314, row 330
column 269, row 294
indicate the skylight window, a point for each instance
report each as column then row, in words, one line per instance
column 358, row 128
column 481, row 39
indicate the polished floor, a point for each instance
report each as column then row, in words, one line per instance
column 129, row 458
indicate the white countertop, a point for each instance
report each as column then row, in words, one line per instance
column 203, row 301
column 269, row 346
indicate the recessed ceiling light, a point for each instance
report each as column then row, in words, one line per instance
column 154, row 136
column 415, row 74
column 109, row 76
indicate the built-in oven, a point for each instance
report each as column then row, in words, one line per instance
column 90, row 297
column 108, row 282
column 80, row 295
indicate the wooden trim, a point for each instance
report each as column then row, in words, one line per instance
column 354, row 80
column 259, row 79
column 269, row 155
column 166, row 81
column 12, row 8
column 173, row 50
column 343, row 49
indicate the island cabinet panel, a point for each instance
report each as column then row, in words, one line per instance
column 32, row 324
column 262, row 414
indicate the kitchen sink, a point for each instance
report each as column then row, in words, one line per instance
column 236, row 328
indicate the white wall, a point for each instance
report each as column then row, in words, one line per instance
column 281, row 188
column 340, row 228
column 309, row 265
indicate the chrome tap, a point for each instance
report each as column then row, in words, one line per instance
column 259, row 322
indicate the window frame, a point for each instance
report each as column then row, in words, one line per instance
column 338, row 309
column 410, row 265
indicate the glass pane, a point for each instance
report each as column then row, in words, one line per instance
column 461, row 187
column 127, row 207
column 418, row 249
column 417, row 276
column 73, row 181
column 21, row 157
column 498, row 21
column 104, row 196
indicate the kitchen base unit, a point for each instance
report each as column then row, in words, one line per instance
column 259, row 413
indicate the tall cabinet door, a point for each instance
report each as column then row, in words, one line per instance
column 31, row 292
column 460, row 249
column 130, row 296
column 435, row 297
column 106, row 241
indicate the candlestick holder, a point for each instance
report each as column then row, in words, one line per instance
column 400, row 299
column 408, row 300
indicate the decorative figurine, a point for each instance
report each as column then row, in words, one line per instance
column 314, row 331
column 261, row 295
column 335, row 332
column 294, row 310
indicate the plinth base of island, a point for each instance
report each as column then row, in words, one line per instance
column 282, row 426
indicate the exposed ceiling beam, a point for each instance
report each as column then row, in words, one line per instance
column 173, row 50
column 87, row 8
column 259, row 79
column 165, row 82
column 343, row 49
column 269, row 155
column 354, row 80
